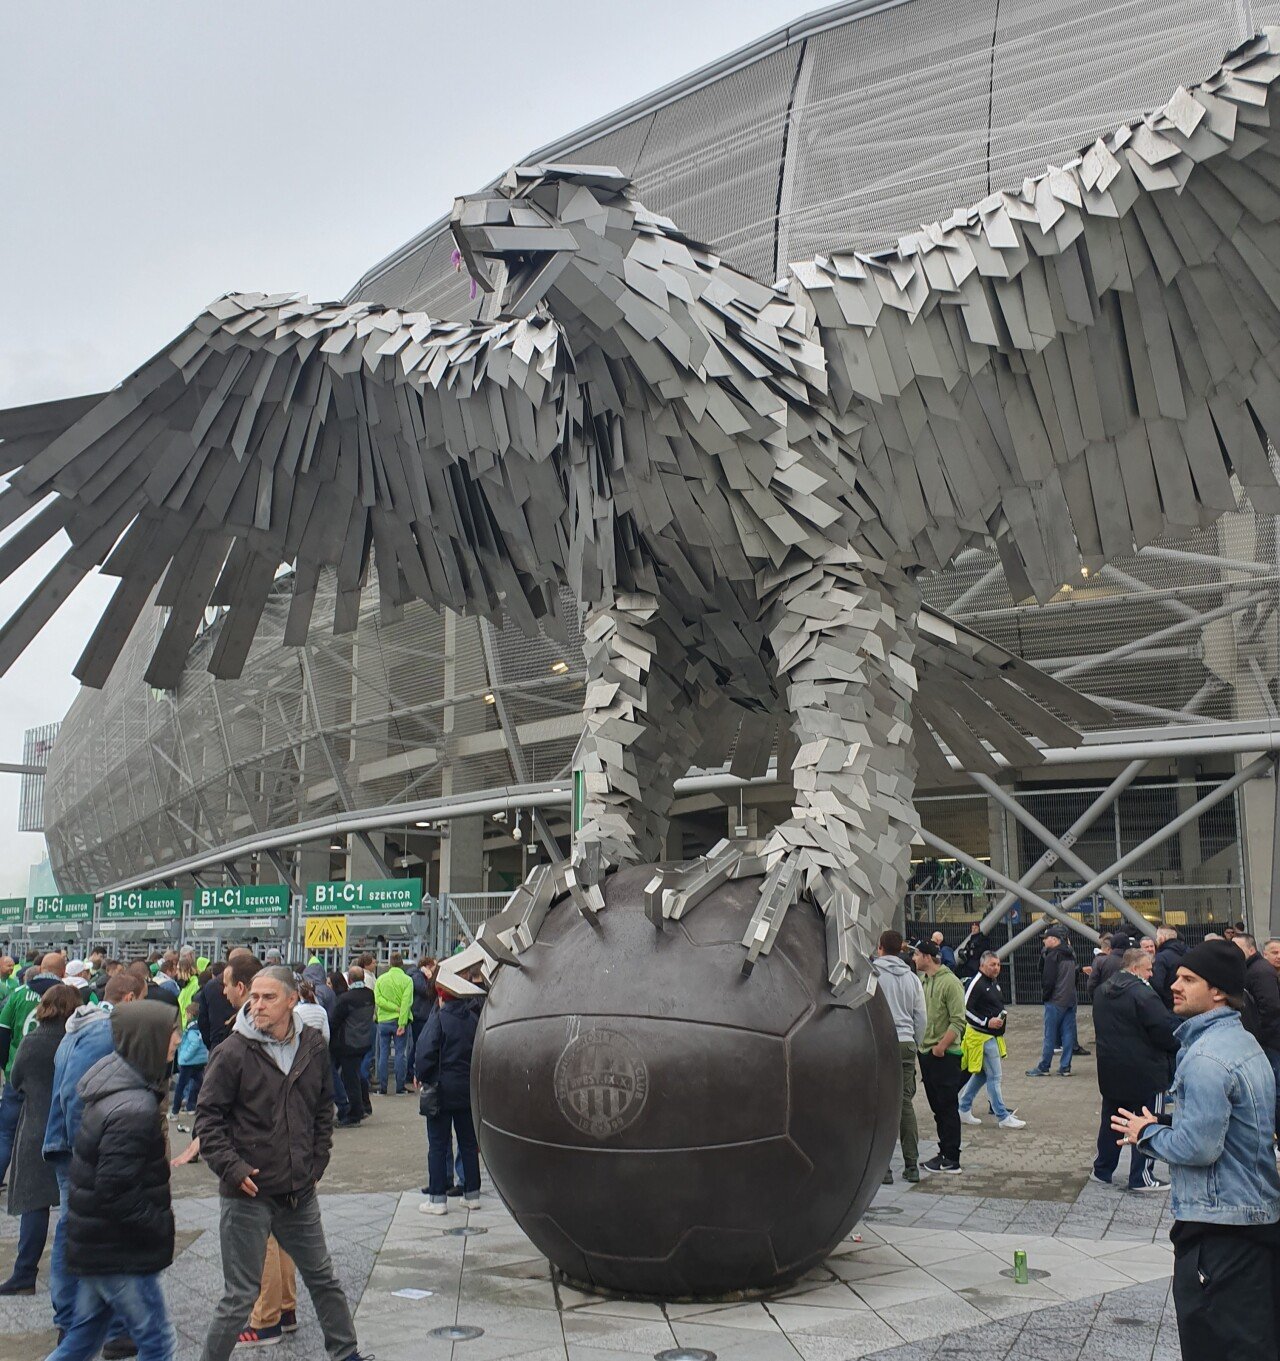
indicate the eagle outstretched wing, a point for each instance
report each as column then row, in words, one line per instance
column 273, row 432
column 1080, row 366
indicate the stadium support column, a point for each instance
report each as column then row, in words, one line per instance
column 465, row 675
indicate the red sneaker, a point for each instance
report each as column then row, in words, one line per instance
column 260, row 1337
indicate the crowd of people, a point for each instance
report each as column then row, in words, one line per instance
column 103, row 1063
column 265, row 1060
column 1188, row 1064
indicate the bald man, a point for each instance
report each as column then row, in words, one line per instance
column 216, row 1012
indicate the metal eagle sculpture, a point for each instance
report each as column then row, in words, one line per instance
column 742, row 483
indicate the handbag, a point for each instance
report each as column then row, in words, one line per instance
column 429, row 1094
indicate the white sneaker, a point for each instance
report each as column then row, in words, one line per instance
column 1011, row 1121
column 472, row 1204
column 429, row 1208
column 968, row 1118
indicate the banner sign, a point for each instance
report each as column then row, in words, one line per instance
column 240, row 900
column 63, row 907
column 366, row 895
column 138, row 902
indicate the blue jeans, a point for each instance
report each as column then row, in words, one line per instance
column 439, row 1148
column 1059, row 1029
column 10, row 1110
column 33, row 1232
column 386, row 1034
column 990, row 1078
column 138, row 1300
column 366, row 1063
column 187, row 1086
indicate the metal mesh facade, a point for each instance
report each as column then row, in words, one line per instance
column 840, row 135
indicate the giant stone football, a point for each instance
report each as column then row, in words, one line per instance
column 660, row 1125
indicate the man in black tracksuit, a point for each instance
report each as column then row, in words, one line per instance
column 1136, row 1048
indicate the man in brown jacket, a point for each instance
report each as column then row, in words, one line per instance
column 265, row 1124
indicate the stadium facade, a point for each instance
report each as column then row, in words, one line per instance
column 421, row 744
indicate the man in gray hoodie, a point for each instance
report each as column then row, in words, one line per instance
column 905, row 995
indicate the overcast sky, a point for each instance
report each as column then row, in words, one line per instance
column 158, row 155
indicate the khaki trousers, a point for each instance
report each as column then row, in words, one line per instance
column 279, row 1287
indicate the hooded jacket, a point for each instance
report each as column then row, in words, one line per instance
column 325, row 995
column 944, row 1008
column 1165, row 969
column 119, row 1213
column 904, row 993
column 1058, row 977
column 443, row 1057
column 1135, row 1043
column 266, row 1110
column 86, row 1042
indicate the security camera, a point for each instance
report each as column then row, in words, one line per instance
column 516, row 833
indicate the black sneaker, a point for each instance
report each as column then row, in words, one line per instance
column 1080, row 1049
column 887, row 1179
column 118, row 1348
column 940, row 1164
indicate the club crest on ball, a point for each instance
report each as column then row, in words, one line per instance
column 601, row 1082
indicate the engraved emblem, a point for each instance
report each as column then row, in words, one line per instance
column 601, row 1082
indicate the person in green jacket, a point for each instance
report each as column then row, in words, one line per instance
column 189, row 972
column 393, row 1000
column 940, row 1068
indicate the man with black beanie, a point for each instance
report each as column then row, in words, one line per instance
column 1218, row 1145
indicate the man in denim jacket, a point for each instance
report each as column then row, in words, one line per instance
column 1219, row 1147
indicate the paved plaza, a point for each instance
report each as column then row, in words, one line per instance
column 923, row 1276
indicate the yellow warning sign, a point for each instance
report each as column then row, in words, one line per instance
column 326, row 933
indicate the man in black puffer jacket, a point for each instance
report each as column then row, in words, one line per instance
column 1136, row 1048
column 119, row 1213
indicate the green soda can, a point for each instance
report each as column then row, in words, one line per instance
column 1020, row 1267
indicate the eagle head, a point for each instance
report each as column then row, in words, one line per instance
column 517, row 239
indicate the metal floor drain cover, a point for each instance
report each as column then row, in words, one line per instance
column 456, row 1332
column 467, row 1231
column 1033, row 1272
column 684, row 1354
